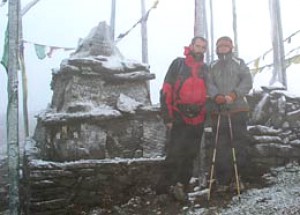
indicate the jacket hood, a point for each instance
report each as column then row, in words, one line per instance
column 190, row 54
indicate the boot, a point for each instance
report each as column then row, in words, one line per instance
column 179, row 192
column 222, row 188
column 233, row 186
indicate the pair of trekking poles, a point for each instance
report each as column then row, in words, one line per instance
column 237, row 181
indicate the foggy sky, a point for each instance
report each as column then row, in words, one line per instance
column 170, row 28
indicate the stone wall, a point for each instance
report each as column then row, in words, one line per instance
column 274, row 128
column 67, row 187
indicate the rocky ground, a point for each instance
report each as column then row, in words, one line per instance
column 277, row 192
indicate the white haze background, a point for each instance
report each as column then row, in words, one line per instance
column 170, row 28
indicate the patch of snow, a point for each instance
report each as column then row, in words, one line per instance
column 105, row 110
column 277, row 85
column 258, row 111
column 127, row 104
column 260, row 129
column 38, row 162
column 112, row 62
column 116, row 63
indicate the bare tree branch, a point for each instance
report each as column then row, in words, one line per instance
column 28, row 7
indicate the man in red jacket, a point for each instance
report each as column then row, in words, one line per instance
column 183, row 98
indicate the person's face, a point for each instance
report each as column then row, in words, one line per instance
column 224, row 46
column 199, row 47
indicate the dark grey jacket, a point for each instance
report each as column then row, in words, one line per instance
column 230, row 75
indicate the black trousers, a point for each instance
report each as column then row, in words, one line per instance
column 224, row 159
column 181, row 150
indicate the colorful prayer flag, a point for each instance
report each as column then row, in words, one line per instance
column 40, row 51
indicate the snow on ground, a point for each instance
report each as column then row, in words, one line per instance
column 282, row 197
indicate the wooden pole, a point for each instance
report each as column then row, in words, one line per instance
column 12, row 107
column 23, row 70
column 200, row 29
column 234, row 25
column 200, row 25
column 113, row 19
column 23, row 67
column 24, row 89
column 279, row 72
column 212, row 44
column 144, row 33
column 14, row 41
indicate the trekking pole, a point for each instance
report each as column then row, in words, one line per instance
column 237, row 181
column 212, row 170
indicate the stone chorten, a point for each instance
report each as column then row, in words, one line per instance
column 100, row 107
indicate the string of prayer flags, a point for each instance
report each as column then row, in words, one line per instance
column 42, row 51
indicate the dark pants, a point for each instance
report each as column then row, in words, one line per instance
column 181, row 151
column 224, row 158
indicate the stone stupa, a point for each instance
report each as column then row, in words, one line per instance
column 100, row 107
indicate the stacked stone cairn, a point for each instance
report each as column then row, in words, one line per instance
column 100, row 138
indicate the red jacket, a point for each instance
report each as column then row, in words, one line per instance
column 183, row 95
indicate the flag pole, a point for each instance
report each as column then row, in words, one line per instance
column 279, row 69
column 12, row 107
column 234, row 26
column 23, row 67
column 113, row 19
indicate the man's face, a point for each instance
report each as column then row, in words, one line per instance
column 198, row 49
column 224, row 46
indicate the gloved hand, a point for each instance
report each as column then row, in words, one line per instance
column 230, row 98
column 220, row 100
column 169, row 126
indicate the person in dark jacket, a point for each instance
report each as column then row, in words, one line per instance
column 183, row 98
column 229, row 82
